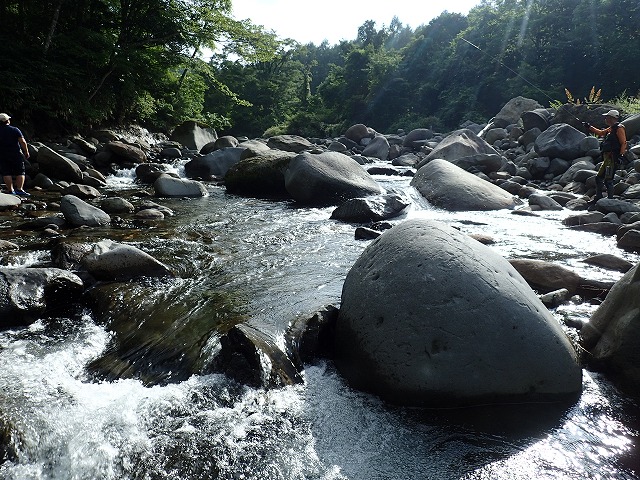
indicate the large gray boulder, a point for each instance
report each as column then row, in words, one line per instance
column 446, row 186
column 511, row 112
column 79, row 213
column 378, row 148
column 168, row 186
column 54, row 165
column 431, row 317
column 466, row 149
column 215, row 164
column 259, row 175
column 28, row 293
column 327, row 178
column 193, row 136
column 126, row 152
column 612, row 335
column 289, row 143
column 560, row 140
column 116, row 261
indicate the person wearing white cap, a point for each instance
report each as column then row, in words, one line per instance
column 11, row 159
column 613, row 148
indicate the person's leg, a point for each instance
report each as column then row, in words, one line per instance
column 19, row 183
column 8, row 181
column 599, row 187
column 609, row 184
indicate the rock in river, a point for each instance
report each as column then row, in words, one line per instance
column 432, row 317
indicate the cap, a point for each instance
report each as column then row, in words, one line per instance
column 612, row 113
column 4, row 117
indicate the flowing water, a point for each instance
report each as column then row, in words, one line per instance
column 266, row 262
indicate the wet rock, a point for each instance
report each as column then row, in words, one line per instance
column 546, row 277
column 365, row 233
column 408, row 332
column 26, row 294
column 109, row 260
column 116, row 205
column 82, row 191
column 610, row 262
column 310, row 338
column 79, row 213
column 149, row 172
column 371, row 209
column 252, row 357
column 543, row 202
column 5, row 246
column 555, row 298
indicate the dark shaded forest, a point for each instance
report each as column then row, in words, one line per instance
column 72, row 65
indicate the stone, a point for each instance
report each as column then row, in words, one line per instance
column 431, row 317
column 289, row 143
column 28, row 293
column 192, row 135
column 110, row 260
column 168, row 186
column 327, row 178
column 611, row 336
column 447, row 186
column 371, row 209
column 260, row 175
column 78, row 213
column 377, row 148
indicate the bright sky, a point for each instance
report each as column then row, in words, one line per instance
column 336, row 20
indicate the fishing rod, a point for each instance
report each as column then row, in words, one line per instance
column 520, row 76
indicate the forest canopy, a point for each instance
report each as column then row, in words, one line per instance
column 78, row 64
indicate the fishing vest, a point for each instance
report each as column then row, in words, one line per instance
column 611, row 143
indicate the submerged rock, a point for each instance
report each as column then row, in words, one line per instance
column 429, row 316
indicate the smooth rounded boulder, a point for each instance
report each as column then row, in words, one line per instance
column 612, row 335
column 79, row 213
column 327, row 178
column 168, row 186
column 116, row 261
column 449, row 187
column 431, row 317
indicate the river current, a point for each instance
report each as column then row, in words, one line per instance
column 267, row 262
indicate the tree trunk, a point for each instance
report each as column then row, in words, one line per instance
column 52, row 29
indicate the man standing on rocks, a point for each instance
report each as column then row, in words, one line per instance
column 613, row 148
column 11, row 159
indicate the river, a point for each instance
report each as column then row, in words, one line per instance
column 266, row 262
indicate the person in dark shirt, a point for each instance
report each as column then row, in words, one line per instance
column 12, row 148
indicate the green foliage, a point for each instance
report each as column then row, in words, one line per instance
column 627, row 104
column 87, row 62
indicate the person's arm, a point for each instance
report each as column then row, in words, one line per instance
column 597, row 131
column 24, row 147
column 622, row 138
